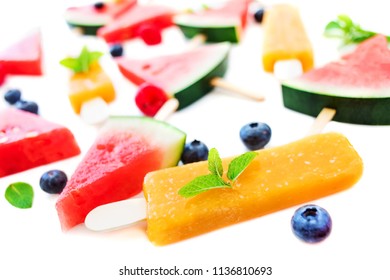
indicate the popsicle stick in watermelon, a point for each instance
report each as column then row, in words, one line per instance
column 186, row 76
column 23, row 57
column 113, row 169
column 356, row 86
column 224, row 23
column 88, row 19
column 141, row 21
column 28, row 140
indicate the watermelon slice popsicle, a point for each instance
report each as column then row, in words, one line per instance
column 355, row 87
column 277, row 178
column 224, row 23
column 287, row 50
column 186, row 76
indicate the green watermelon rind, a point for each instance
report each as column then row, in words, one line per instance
column 157, row 132
column 368, row 110
column 201, row 86
column 85, row 29
column 214, row 32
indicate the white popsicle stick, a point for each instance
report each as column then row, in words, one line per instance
column 167, row 109
column 324, row 117
column 116, row 214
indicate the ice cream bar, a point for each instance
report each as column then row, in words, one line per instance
column 90, row 85
column 278, row 178
column 285, row 37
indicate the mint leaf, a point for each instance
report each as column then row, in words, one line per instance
column 239, row 164
column 20, row 195
column 82, row 63
column 215, row 163
column 201, row 184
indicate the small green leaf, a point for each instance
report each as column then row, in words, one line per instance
column 20, row 195
column 345, row 21
column 201, row 184
column 83, row 62
column 239, row 164
column 215, row 163
column 332, row 25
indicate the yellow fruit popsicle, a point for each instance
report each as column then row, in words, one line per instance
column 278, row 178
column 285, row 38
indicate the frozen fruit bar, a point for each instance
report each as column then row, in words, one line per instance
column 285, row 38
column 277, row 178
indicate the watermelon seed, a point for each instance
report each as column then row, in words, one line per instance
column 146, row 66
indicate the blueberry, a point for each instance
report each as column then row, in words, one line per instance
column 255, row 135
column 12, row 96
column 311, row 223
column 259, row 14
column 116, row 50
column 53, row 181
column 99, row 5
column 29, row 106
column 194, row 151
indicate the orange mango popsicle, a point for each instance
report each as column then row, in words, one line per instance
column 89, row 85
column 285, row 38
column 278, row 178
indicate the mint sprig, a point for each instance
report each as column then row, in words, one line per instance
column 214, row 180
column 82, row 63
column 347, row 31
column 20, row 195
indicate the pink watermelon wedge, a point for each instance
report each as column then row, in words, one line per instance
column 23, row 57
column 141, row 21
column 90, row 18
column 357, row 86
column 27, row 141
column 220, row 24
column 114, row 167
column 186, row 76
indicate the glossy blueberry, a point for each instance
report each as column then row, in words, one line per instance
column 194, row 151
column 53, row 181
column 311, row 223
column 258, row 15
column 29, row 106
column 255, row 135
column 116, row 50
column 99, row 5
column 12, row 96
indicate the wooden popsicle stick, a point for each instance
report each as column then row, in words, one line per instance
column 324, row 117
column 116, row 215
column 221, row 83
column 167, row 109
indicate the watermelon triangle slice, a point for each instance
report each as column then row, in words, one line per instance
column 114, row 167
column 225, row 23
column 27, row 141
column 357, row 86
column 186, row 76
column 138, row 22
column 23, row 57
column 90, row 18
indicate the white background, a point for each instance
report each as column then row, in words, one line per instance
column 32, row 245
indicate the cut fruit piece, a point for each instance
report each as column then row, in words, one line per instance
column 23, row 57
column 220, row 24
column 114, row 167
column 90, row 85
column 138, row 22
column 27, row 141
column 186, row 76
column 278, row 178
column 356, row 86
column 88, row 19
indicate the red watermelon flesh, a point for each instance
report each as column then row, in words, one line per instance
column 366, row 68
column 114, row 167
column 130, row 24
column 23, row 57
column 27, row 141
